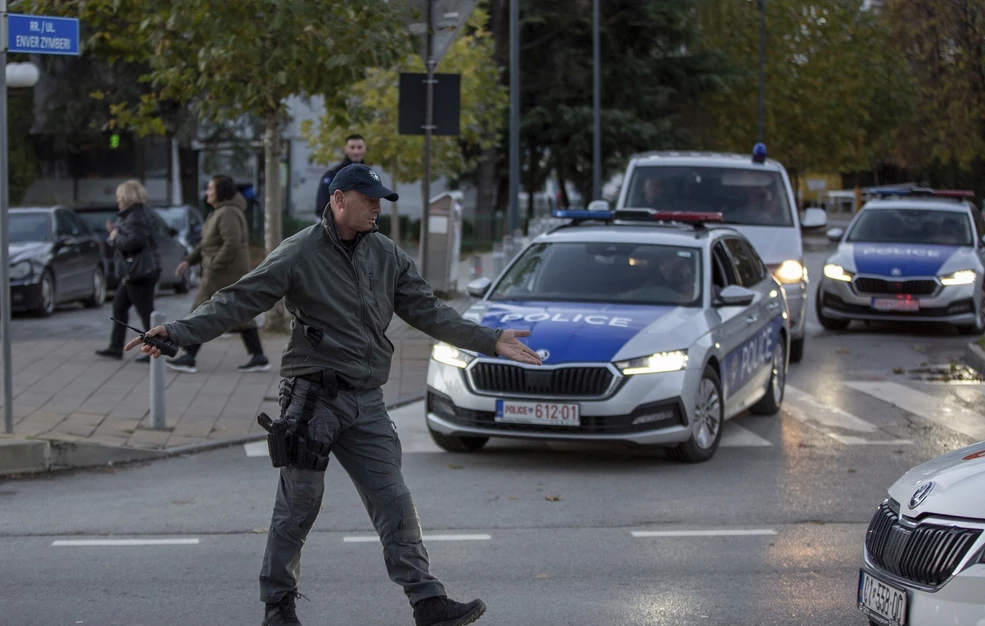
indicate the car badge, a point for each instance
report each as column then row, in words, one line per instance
column 896, row 271
column 543, row 354
column 921, row 494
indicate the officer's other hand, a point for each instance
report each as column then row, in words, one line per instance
column 157, row 331
column 181, row 269
column 510, row 347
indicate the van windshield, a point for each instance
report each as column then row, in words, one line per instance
column 743, row 196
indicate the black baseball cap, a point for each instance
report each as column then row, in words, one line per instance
column 363, row 179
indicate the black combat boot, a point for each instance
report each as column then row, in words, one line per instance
column 441, row 611
column 282, row 613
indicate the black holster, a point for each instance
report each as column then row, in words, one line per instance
column 287, row 440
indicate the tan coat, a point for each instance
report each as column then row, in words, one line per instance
column 224, row 251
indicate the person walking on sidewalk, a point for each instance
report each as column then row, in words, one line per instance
column 342, row 281
column 354, row 151
column 136, row 262
column 224, row 253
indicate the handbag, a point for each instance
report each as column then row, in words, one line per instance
column 142, row 265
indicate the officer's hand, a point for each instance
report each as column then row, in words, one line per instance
column 509, row 346
column 181, row 269
column 157, row 331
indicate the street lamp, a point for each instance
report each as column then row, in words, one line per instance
column 22, row 75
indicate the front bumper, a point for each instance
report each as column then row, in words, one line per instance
column 25, row 296
column 650, row 409
column 952, row 304
column 960, row 601
column 797, row 303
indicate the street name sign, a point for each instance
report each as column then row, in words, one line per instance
column 39, row 34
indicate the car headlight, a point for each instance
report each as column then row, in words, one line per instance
column 20, row 271
column 655, row 363
column 961, row 277
column 790, row 272
column 450, row 355
column 837, row 272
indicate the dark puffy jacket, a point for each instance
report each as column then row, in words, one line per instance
column 135, row 246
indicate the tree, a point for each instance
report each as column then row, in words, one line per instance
column 835, row 92
column 233, row 59
column 371, row 109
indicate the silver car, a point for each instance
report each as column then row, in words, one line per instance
column 653, row 328
column 916, row 257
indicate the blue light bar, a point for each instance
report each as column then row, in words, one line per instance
column 759, row 153
column 574, row 214
column 889, row 191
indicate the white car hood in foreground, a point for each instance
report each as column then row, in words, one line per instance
column 958, row 485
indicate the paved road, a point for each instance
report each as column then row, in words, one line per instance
column 562, row 535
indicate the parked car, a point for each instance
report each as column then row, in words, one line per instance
column 924, row 551
column 171, row 249
column 54, row 259
column 188, row 221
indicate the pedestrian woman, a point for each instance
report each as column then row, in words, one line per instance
column 224, row 253
column 136, row 262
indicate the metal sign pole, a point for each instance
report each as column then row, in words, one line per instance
column 428, row 128
column 8, row 378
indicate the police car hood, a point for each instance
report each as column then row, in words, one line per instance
column 958, row 483
column 775, row 244
column 569, row 332
column 900, row 260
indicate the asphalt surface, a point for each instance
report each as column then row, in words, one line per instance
column 768, row 532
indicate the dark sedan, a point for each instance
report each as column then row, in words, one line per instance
column 171, row 250
column 54, row 259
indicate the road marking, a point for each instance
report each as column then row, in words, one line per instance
column 123, row 542
column 925, row 406
column 807, row 409
column 425, row 538
column 735, row 436
column 704, row 533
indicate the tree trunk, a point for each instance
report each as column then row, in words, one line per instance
column 485, row 201
column 394, row 211
column 276, row 319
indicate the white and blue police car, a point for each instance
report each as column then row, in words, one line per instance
column 653, row 328
column 908, row 255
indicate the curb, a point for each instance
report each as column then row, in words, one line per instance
column 33, row 456
column 975, row 357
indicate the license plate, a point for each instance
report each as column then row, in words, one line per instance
column 543, row 413
column 882, row 602
column 894, row 304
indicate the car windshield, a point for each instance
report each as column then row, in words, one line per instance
column 622, row 273
column 174, row 216
column 96, row 220
column 28, row 227
column 743, row 196
column 915, row 226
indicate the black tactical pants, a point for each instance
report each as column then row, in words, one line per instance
column 365, row 443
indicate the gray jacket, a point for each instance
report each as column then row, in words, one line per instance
column 341, row 307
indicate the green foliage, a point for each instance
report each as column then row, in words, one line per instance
column 835, row 91
column 370, row 108
column 22, row 157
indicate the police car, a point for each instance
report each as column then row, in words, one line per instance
column 924, row 554
column 653, row 328
column 908, row 255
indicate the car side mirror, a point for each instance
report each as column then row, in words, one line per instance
column 815, row 218
column 835, row 234
column 734, row 295
column 477, row 288
column 598, row 205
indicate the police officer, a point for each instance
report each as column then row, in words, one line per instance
column 342, row 281
column 355, row 151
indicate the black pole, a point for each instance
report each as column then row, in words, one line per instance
column 762, row 67
column 428, row 127
column 514, row 116
column 596, row 106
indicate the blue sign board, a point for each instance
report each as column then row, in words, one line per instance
column 39, row 34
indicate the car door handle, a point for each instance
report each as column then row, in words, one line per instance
column 752, row 318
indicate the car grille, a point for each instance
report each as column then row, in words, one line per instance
column 926, row 554
column 569, row 382
column 917, row 287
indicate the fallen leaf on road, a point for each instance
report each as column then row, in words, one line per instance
column 512, row 498
column 260, row 531
column 842, row 351
column 899, row 370
column 542, row 576
column 919, row 348
column 553, row 498
column 851, row 470
column 453, row 466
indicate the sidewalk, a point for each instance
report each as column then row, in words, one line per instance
column 73, row 409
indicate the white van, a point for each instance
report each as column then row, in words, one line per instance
column 753, row 194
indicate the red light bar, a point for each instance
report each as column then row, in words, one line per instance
column 954, row 193
column 686, row 216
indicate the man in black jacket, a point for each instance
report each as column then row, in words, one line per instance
column 355, row 151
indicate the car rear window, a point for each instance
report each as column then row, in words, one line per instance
column 623, row 273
